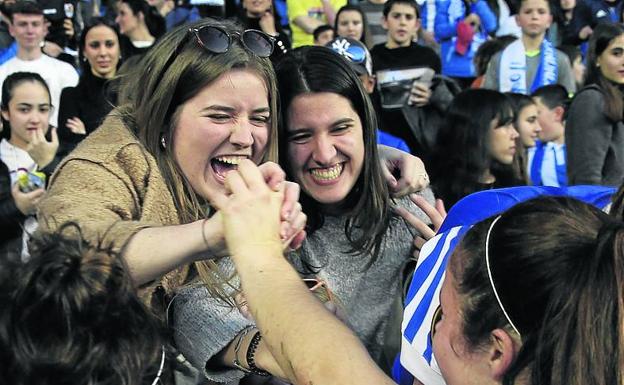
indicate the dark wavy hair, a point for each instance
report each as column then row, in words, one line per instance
column 92, row 23
column 461, row 154
column 74, row 318
column 352, row 7
column 558, row 267
column 153, row 20
column 600, row 39
column 313, row 69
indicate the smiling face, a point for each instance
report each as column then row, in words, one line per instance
column 502, row 142
column 28, row 112
column 611, row 60
column 402, row 25
column 102, row 51
column 534, row 17
column 350, row 24
column 528, row 125
column 228, row 120
column 325, row 145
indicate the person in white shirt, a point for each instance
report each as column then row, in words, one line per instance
column 27, row 26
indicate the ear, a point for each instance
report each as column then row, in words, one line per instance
column 384, row 22
column 418, row 24
column 5, row 115
column 11, row 30
column 502, row 353
column 559, row 111
column 517, row 19
column 370, row 87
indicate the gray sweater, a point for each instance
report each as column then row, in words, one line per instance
column 203, row 326
column 594, row 144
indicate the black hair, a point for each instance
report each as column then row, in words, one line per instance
column 320, row 29
column 313, row 69
column 488, row 49
column 153, row 20
column 356, row 8
column 24, row 7
column 92, row 23
column 390, row 3
column 552, row 96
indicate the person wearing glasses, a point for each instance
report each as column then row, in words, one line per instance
column 203, row 100
column 549, row 324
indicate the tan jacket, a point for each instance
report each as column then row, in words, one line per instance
column 112, row 187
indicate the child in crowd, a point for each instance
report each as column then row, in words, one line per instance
column 397, row 58
column 323, row 35
column 528, row 127
column 350, row 22
column 532, row 61
column 546, row 164
column 575, row 56
column 307, row 15
column 462, row 26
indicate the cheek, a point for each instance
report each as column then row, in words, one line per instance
column 261, row 138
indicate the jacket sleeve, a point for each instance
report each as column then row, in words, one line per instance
column 204, row 326
column 588, row 135
column 444, row 29
column 488, row 18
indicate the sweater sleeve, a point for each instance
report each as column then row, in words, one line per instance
column 204, row 326
column 588, row 134
column 444, row 29
column 488, row 18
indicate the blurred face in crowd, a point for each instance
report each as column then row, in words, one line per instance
column 534, row 17
column 28, row 30
column 102, row 51
column 128, row 22
column 324, row 37
column 551, row 121
column 568, row 5
column 528, row 125
column 578, row 69
column 256, row 8
column 325, row 145
column 28, row 112
column 611, row 61
column 402, row 24
column 350, row 24
column 226, row 122
column 502, row 141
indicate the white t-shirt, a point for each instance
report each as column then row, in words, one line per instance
column 56, row 73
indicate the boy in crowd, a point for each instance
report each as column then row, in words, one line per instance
column 28, row 27
column 323, row 35
column 546, row 163
column 307, row 15
column 531, row 61
column 401, row 19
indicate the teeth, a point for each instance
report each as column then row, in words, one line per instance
column 231, row 159
column 327, row 173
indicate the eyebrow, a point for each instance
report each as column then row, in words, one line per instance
column 30, row 105
column 306, row 129
column 218, row 107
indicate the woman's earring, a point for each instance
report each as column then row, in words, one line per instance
column 163, row 143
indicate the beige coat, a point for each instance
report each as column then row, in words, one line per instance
column 112, row 187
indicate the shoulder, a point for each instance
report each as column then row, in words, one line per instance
column 562, row 58
column 588, row 95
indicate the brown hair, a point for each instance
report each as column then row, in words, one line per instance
column 558, row 268
column 174, row 70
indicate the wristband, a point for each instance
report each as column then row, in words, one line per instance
column 251, row 352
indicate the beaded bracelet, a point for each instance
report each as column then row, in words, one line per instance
column 251, row 352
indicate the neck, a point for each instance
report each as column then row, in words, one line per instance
column 17, row 142
column 560, row 140
column 141, row 34
column 109, row 75
column 28, row 53
column 532, row 43
column 487, row 177
column 253, row 15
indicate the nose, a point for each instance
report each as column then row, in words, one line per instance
column 513, row 133
column 241, row 135
column 324, row 151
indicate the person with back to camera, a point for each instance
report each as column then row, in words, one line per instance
column 216, row 337
column 84, row 107
column 595, row 129
column 483, row 331
column 26, row 154
column 95, row 329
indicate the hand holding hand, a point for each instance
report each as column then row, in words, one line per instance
column 413, row 176
column 26, row 202
column 40, row 149
column 76, row 126
column 435, row 213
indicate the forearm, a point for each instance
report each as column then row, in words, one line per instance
column 283, row 308
column 308, row 24
column 153, row 252
column 330, row 12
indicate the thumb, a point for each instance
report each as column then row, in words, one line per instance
column 54, row 135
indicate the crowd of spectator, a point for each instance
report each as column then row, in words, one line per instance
column 312, row 191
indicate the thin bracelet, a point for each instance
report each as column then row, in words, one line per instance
column 251, row 352
column 241, row 335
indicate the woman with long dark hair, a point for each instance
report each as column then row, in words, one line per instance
column 261, row 15
column 475, row 147
column 595, row 127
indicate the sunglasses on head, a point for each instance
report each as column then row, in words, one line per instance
column 218, row 40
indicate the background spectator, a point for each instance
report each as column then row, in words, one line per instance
column 259, row 14
column 307, row 15
column 350, row 22
column 140, row 24
column 323, row 35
